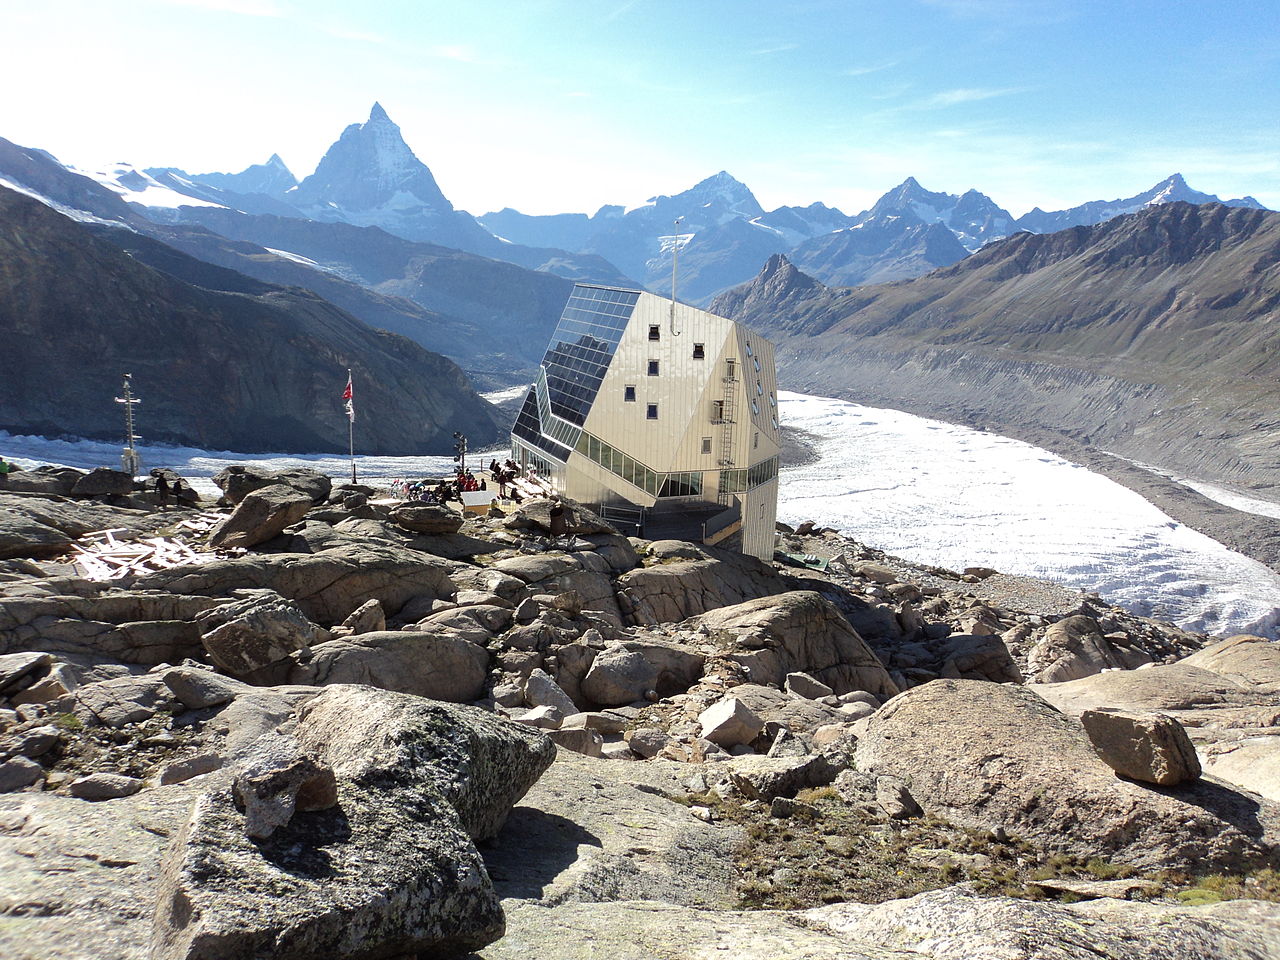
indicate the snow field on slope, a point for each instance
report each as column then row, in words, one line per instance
column 941, row 494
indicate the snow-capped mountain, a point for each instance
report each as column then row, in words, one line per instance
column 973, row 217
column 879, row 249
column 273, row 178
column 370, row 177
column 797, row 224
column 717, row 215
column 368, row 174
column 1096, row 211
column 141, row 188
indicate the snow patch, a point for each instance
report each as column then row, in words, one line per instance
column 295, row 257
column 141, row 188
column 81, row 216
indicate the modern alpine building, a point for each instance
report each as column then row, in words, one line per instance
column 658, row 414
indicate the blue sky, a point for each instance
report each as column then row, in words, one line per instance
column 563, row 105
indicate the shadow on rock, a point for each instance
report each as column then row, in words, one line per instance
column 1241, row 809
column 300, row 847
column 532, row 851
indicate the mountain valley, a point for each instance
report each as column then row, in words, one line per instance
column 1150, row 335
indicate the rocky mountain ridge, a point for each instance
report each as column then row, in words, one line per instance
column 228, row 361
column 908, row 231
column 1146, row 336
column 462, row 305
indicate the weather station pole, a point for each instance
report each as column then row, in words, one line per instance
column 130, row 461
column 348, row 396
column 460, row 448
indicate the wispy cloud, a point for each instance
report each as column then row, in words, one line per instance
column 459, row 52
column 247, row 8
column 949, row 98
column 1008, row 12
column 863, row 69
column 775, row 49
column 891, row 91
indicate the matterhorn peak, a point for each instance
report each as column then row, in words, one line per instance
column 370, row 176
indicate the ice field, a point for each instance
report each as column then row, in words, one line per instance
column 937, row 493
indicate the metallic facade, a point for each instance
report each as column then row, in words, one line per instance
column 671, row 410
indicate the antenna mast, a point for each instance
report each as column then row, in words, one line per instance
column 130, row 461
column 675, row 259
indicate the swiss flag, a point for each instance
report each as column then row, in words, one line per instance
column 346, row 394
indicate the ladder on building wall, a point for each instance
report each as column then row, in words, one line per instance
column 727, row 413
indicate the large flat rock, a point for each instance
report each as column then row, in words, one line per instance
column 988, row 755
column 950, row 924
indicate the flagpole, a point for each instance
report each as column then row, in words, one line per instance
column 351, row 432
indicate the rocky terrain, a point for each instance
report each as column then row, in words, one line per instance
column 1145, row 336
column 351, row 726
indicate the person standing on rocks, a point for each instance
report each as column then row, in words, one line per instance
column 559, row 524
column 177, row 492
column 162, row 491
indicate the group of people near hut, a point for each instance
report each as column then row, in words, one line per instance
column 503, row 475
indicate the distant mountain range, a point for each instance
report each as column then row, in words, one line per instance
column 907, row 232
column 1152, row 334
column 370, row 177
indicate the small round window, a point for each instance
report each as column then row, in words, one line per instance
column 755, row 407
column 748, row 349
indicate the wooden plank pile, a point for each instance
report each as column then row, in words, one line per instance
column 101, row 556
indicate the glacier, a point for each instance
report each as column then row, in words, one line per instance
column 937, row 493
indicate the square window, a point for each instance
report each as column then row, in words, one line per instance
column 629, row 393
column 655, row 332
column 706, row 444
column 651, row 411
column 699, row 351
column 653, row 368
